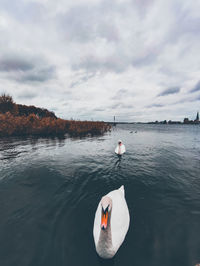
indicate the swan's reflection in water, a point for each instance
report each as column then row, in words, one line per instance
column 118, row 162
column 109, row 262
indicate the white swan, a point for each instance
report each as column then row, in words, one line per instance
column 111, row 223
column 120, row 149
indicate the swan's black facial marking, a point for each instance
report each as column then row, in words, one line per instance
column 106, row 210
column 106, row 207
column 104, row 218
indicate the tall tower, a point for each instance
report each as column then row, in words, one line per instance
column 197, row 118
column 114, row 121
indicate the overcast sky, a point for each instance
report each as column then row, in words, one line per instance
column 92, row 59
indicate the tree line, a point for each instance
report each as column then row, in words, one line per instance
column 8, row 105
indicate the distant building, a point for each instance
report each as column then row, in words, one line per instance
column 197, row 117
column 196, row 121
column 186, row 121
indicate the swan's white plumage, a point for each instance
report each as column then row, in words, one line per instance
column 119, row 222
column 120, row 149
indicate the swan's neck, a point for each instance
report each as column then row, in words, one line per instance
column 106, row 236
column 105, row 240
column 119, row 150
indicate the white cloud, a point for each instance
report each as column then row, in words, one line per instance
column 77, row 57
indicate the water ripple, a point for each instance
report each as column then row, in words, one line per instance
column 50, row 189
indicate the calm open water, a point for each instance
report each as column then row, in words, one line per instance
column 50, row 189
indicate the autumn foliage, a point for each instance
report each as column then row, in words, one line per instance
column 40, row 124
column 7, row 105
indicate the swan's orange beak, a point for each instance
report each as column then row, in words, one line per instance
column 104, row 219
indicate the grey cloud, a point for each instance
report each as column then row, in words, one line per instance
column 76, row 25
column 65, row 104
column 115, row 106
column 127, row 106
column 172, row 72
column 155, row 42
column 122, row 91
column 186, row 23
column 155, row 105
column 189, row 99
column 117, row 62
column 24, row 68
column 27, row 95
column 169, row 91
column 23, row 10
column 99, row 109
column 82, row 79
column 147, row 59
column 87, row 22
column 93, row 64
column 121, row 105
column 37, row 75
column 196, row 88
column 119, row 94
column 15, row 64
column 84, row 24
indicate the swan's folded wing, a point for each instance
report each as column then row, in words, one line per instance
column 120, row 219
column 123, row 149
column 97, row 226
column 117, row 149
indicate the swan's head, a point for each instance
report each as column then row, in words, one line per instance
column 119, row 142
column 106, row 204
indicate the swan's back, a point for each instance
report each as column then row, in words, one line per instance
column 120, row 149
column 120, row 219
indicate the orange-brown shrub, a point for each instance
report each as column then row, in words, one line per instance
column 32, row 124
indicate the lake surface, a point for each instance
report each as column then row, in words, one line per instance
column 50, row 189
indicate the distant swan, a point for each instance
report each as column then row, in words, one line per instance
column 120, row 149
column 111, row 223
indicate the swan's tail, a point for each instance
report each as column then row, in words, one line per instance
column 122, row 189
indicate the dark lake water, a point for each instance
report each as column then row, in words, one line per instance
column 50, row 189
